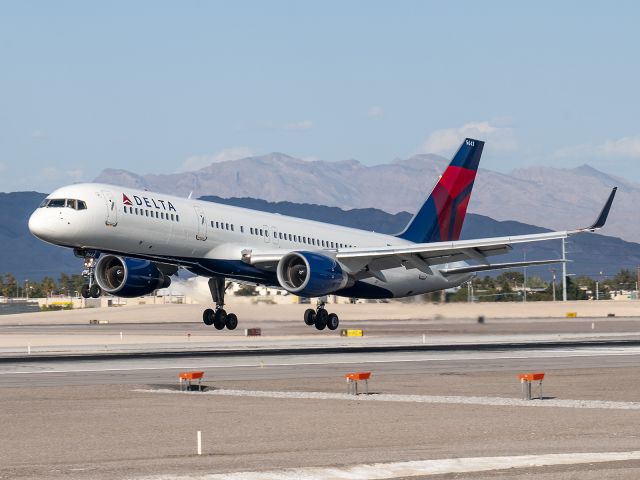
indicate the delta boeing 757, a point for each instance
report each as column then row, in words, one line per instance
column 132, row 241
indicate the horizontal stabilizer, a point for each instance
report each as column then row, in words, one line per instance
column 496, row 266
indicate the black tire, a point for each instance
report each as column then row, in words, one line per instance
column 232, row 321
column 309, row 316
column 84, row 291
column 95, row 291
column 207, row 316
column 321, row 319
column 333, row 321
column 220, row 319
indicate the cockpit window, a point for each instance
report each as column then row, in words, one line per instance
column 63, row 202
column 56, row 203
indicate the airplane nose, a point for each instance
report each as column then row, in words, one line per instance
column 38, row 225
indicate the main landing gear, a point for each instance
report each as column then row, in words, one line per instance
column 219, row 318
column 91, row 289
column 321, row 318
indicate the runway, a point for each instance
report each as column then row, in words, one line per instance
column 158, row 369
column 434, row 410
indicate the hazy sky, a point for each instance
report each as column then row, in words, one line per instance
column 168, row 86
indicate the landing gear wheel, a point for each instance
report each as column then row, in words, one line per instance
column 84, row 291
column 332, row 321
column 232, row 321
column 207, row 316
column 95, row 291
column 309, row 316
column 220, row 319
column 321, row 319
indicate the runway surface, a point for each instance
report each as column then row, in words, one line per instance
column 159, row 369
column 431, row 414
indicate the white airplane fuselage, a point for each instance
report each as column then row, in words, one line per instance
column 212, row 239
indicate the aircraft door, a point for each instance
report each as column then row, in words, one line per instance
column 274, row 234
column 112, row 208
column 201, row 232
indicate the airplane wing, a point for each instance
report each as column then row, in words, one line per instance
column 495, row 266
column 423, row 256
column 371, row 262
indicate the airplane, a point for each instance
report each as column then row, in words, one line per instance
column 132, row 242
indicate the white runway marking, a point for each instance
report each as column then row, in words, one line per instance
column 446, row 399
column 416, row 468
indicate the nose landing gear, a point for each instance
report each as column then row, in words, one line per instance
column 91, row 289
column 321, row 318
column 219, row 318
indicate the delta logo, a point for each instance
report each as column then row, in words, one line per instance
column 149, row 202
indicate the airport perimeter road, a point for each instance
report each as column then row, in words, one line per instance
column 112, row 419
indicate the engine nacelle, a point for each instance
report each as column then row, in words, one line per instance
column 129, row 277
column 310, row 274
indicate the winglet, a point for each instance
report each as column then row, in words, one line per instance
column 604, row 213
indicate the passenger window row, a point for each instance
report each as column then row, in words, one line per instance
column 299, row 239
column 143, row 212
column 231, row 227
column 223, row 226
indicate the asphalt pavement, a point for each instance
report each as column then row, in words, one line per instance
column 436, row 413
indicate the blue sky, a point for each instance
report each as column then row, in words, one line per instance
column 168, row 86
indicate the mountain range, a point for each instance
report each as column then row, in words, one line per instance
column 26, row 257
column 553, row 198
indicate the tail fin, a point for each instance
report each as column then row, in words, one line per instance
column 440, row 218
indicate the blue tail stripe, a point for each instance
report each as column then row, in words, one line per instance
column 424, row 225
column 468, row 155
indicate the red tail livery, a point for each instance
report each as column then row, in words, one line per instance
column 442, row 215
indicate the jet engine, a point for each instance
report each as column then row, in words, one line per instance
column 129, row 277
column 310, row 274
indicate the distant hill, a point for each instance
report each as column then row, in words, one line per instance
column 27, row 257
column 555, row 198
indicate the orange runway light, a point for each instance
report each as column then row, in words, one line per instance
column 355, row 376
column 352, row 381
column 187, row 377
column 191, row 375
column 525, row 381
column 531, row 377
